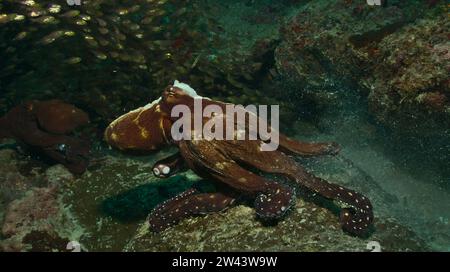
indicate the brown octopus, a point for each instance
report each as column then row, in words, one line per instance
column 43, row 127
column 232, row 164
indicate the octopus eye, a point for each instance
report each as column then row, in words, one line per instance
column 156, row 171
column 61, row 148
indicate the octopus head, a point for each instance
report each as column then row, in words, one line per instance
column 73, row 153
column 178, row 94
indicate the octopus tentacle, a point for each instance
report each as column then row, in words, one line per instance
column 272, row 200
column 296, row 147
column 187, row 204
column 205, row 159
column 169, row 166
column 275, row 202
column 356, row 215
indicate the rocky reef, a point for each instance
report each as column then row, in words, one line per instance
column 106, row 208
column 308, row 228
column 410, row 84
column 34, row 218
column 397, row 55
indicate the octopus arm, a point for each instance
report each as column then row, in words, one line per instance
column 169, row 166
column 206, row 160
column 296, row 147
column 356, row 215
column 187, row 204
column 272, row 200
column 286, row 144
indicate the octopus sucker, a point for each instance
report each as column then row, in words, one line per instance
column 228, row 162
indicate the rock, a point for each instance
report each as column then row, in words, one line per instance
column 38, row 216
column 307, row 228
column 12, row 183
column 396, row 55
column 410, row 87
column 58, row 175
column 333, row 38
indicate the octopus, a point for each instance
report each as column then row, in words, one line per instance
column 44, row 127
column 235, row 166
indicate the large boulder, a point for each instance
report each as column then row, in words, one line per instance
column 397, row 55
column 307, row 228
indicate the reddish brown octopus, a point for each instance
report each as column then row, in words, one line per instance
column 232, row 164
column 44, row 127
